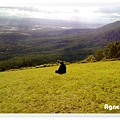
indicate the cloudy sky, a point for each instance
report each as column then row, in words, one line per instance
column 104, row 11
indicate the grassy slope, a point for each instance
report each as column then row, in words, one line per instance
column 85, row 88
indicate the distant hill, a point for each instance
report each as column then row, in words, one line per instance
column 107, row 33
column 108, row 27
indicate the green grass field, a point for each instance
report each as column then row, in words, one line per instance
column 85, row 88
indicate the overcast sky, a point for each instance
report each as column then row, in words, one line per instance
column 104, row 11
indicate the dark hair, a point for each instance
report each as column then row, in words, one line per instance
column 61, row 62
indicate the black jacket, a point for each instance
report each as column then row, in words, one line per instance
column 62, row 68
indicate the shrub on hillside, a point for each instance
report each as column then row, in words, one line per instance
column 112, row 50
column 110, row 53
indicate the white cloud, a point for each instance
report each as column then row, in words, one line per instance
column 77, row 12
column 39, row 2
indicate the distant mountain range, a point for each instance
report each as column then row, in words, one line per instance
column 22, row 23
column 51, row 39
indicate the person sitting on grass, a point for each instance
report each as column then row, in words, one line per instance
column 62, row 68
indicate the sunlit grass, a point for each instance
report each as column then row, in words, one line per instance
column 85, row 88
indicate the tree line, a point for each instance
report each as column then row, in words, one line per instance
column 111, row 51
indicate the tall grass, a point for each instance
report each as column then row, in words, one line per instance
column 85, row 88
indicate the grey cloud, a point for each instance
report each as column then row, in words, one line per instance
column 115, row 16
column 110, row 12
column 111, row 9
column 76, row 11
column 30, row 9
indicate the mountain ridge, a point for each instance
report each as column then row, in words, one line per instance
column 67, row 44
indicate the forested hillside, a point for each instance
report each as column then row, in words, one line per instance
column 33, row 45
